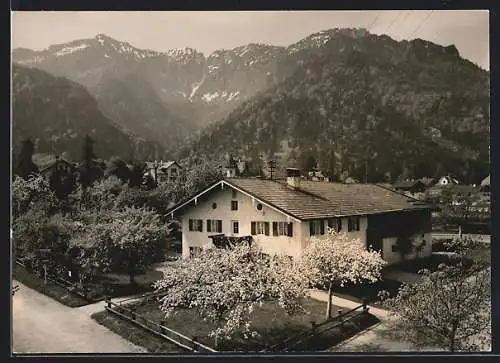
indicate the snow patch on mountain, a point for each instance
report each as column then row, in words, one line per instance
column 196, row 86
column 209, row 97
column 233, row 95
column 71, row 49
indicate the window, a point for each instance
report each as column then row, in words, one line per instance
column 316, row 227
column 194, row 251
column 394, row 248
column 353, row 224
column 214, row 205
column 234, row 194
column 214, row 225
column 195, row 225
column 260, row 228
column 282, row 229
column 234, row 205
column 335, row 223
column 259, row 206
column 236, row 227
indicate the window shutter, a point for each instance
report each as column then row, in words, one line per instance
column 290, row 230
column 208, row 226
column 322, row 226
column 266, row 228
column 253, row 228
column 200, row 224
column 190, row 224
column 339, row 224
column 275, row 228
column 219, row 226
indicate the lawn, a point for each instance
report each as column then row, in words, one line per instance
column 50, row 289
column 273, row 325
column 368, row 291
column 115, row 285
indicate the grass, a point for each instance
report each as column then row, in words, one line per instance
column 50, row 289
column 272, row 323
column 368, row 291
column 117, row 285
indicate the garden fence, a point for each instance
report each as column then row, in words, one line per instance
column 71, row 287
column 317, row 329
column 157, row 328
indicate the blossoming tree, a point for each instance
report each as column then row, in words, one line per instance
column 117, row 240
column 448, row 309
column 336, row 259
column 224, row 285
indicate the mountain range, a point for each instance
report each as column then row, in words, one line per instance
column 345, row 97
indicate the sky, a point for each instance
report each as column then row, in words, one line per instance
column 207, row 31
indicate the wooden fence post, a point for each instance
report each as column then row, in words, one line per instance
column 107, row 300
column 194, row 339
column 339, row 313
column 313, row 326
column 365, row 303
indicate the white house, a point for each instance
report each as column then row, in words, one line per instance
column 447, row 180
column 282, row 216
column 164, row 171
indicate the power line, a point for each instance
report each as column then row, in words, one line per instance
column 393, row 21
column 407, row 15
column 376, row 18
column 422, row 23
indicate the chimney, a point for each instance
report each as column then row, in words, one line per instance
column 293, row 177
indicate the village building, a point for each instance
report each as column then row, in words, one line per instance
column 485, row 185
column 164, row 171
column 317, row 175
column 58, row 164
column 447, row 180
column 410, row 186
column 281, row 216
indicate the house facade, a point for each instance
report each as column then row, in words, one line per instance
column 281, row 217
column 164, row 171
column 58, row 164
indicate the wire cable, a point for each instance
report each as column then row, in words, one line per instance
column 422, row 23
column 374, row 21
column 393, row 21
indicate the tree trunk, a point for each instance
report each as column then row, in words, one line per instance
column 131, row 275
column 329, row 303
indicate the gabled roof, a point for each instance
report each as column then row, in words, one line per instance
column 486, row 181
column 162, row 164
column 318, row 200
column 404, row 184
column 55, row 162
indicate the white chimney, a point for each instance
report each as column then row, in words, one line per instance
column 293, row 177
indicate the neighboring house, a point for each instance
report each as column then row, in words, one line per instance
column 413, row 186
column 485, row 184
column 447, row 180
column 58, row 164
column 350, row 180
column 281, row 216
column 164, row 171
column 317, row 175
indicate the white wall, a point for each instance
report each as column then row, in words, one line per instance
column 395, row 257
column 246, row 213
column 361, row 234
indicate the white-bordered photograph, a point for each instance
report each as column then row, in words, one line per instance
column 250, row 182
